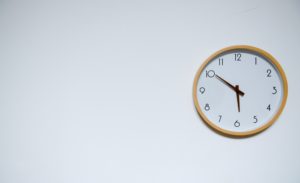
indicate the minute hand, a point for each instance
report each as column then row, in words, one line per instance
column 231, row 86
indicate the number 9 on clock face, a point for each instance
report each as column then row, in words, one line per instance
column 240, row 90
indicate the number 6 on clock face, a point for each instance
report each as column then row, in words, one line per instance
column 240, row 90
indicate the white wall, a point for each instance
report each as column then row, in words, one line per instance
column 101, row 91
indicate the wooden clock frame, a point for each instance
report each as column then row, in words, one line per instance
column 264, row 54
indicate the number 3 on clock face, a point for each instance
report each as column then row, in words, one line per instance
column 240, row 90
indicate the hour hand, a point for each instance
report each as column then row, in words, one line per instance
column 238, row 98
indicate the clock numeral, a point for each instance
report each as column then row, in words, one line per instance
column 274, row 90
column 207, row 107
column 255, row 60
column 210, row 73
column 221, row 62
column 220, row 117
column 201, row 90
column 237, row 56
column 269, row 107
column 237, row 123
column 269, row 73
column 255, row 119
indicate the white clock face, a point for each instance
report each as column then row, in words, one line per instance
column 239, row 91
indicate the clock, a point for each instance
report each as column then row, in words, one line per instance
column 240, row 90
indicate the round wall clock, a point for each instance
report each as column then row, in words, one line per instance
column 240, row 90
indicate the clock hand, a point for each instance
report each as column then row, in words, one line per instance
column 237, row 90
column 237, row 96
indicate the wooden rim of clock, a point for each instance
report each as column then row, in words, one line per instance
column 264, row 54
